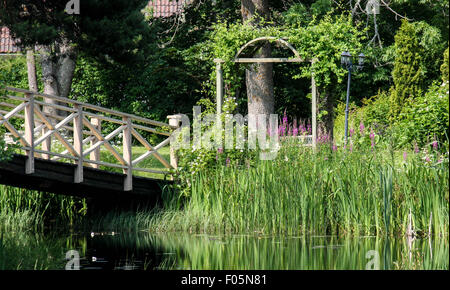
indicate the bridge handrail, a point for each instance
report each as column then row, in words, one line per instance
column 48, row 124
column 92, row 107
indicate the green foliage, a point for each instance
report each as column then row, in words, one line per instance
column 115, row 30
column 325, row 40
column 13, row 72
column 426, row 118
column 408, row 73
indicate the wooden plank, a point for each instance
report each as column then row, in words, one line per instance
column 78, row 143
column 150, row 130
column 29, row 133
column 57, row 127
column 265, row 60
column 106, row 143
column 11, row 113
column 64, row 153
column 150, row 148
column 108, row 164
column 56, row 106
column 95, row 154
column 127, row 155
column 56, row 133
column 93, row 107
column 151, row 170
column 60, row 155
column 105, row 139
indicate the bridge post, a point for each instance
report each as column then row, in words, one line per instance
column 127, row 155
column 29, row 133
column 95, row 155
column 174, row 120
column 78, row 142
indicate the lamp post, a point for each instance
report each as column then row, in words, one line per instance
column 346, row 62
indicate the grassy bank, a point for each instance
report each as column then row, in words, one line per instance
column 330, row 192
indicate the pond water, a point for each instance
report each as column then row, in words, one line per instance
column 145, row 251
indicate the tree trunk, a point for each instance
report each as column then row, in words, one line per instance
column 326, row 121
column 31, row 69
column 58, row 66
column 259, row 78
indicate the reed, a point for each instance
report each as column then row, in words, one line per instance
column 23, row 210
column 328, row 192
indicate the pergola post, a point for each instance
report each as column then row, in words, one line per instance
column 313, row 108
column 219, row 86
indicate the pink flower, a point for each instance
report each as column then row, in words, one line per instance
column 361, row 127
column 352, row 131
column 435, row 144
column 220, row 150
column 416, row 148
column 334, row 148
column 351, row 147
column 285, row 119
column 405, row 156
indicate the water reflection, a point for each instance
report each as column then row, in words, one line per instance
column 126, row 251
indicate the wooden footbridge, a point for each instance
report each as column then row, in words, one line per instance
column 69, row 147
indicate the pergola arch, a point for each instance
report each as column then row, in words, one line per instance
column 296, row 58
column 279, row 41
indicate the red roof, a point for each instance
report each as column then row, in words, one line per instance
column 165, row 8
column 6, row 42
column 161, row 8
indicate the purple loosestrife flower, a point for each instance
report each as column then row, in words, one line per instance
column 334, row 148
column 220, row 150
column 361, row 127
column 416, row 148
column 285, row 118
column 295, row 131
column 352, row 131
column 308, row 128
column 435, row 144
column 302, row 129
column 351, row 147
column 405, row 156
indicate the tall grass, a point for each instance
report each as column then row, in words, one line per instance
column 22, row 209
column 328, row 192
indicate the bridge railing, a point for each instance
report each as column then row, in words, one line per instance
column 76, row 129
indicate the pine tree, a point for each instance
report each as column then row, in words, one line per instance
column 407, row 72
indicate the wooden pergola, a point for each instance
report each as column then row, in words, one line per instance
column 295, row 59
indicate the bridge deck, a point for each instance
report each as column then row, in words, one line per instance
column 58, row 177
